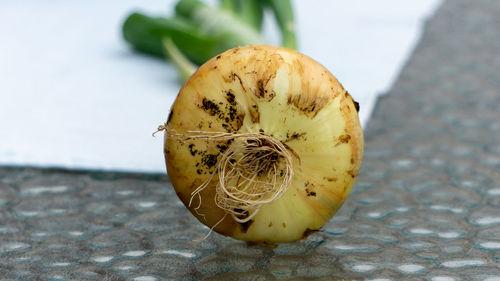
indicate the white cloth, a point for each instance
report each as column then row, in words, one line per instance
column 73, row 95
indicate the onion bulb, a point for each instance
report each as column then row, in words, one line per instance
column 263, row 144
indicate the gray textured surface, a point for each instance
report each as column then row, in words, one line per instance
column 426, row 205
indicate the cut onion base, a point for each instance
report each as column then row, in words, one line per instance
column 263, row 144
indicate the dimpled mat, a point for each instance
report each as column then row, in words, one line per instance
column 426, row 205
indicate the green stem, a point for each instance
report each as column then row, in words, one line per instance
column 283, row 12
column 184, row 66
column 187, row 8
column 251, row 12
column 146, row 33
column 228, row 5
column 225, row 26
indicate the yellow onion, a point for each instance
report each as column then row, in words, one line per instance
column 263, row 144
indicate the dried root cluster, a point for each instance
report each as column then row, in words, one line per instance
column 255, row 170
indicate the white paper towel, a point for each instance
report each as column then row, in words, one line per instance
column 73, row 95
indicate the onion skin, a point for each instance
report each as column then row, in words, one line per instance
column 281, row 93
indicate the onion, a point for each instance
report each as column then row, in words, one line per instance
column 263, row 144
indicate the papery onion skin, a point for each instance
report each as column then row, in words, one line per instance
column 281, row 93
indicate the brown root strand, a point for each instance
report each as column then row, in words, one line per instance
column 162, row 127
column 210, row 231
column 255, row 170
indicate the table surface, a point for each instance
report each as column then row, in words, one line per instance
column 426, row 205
